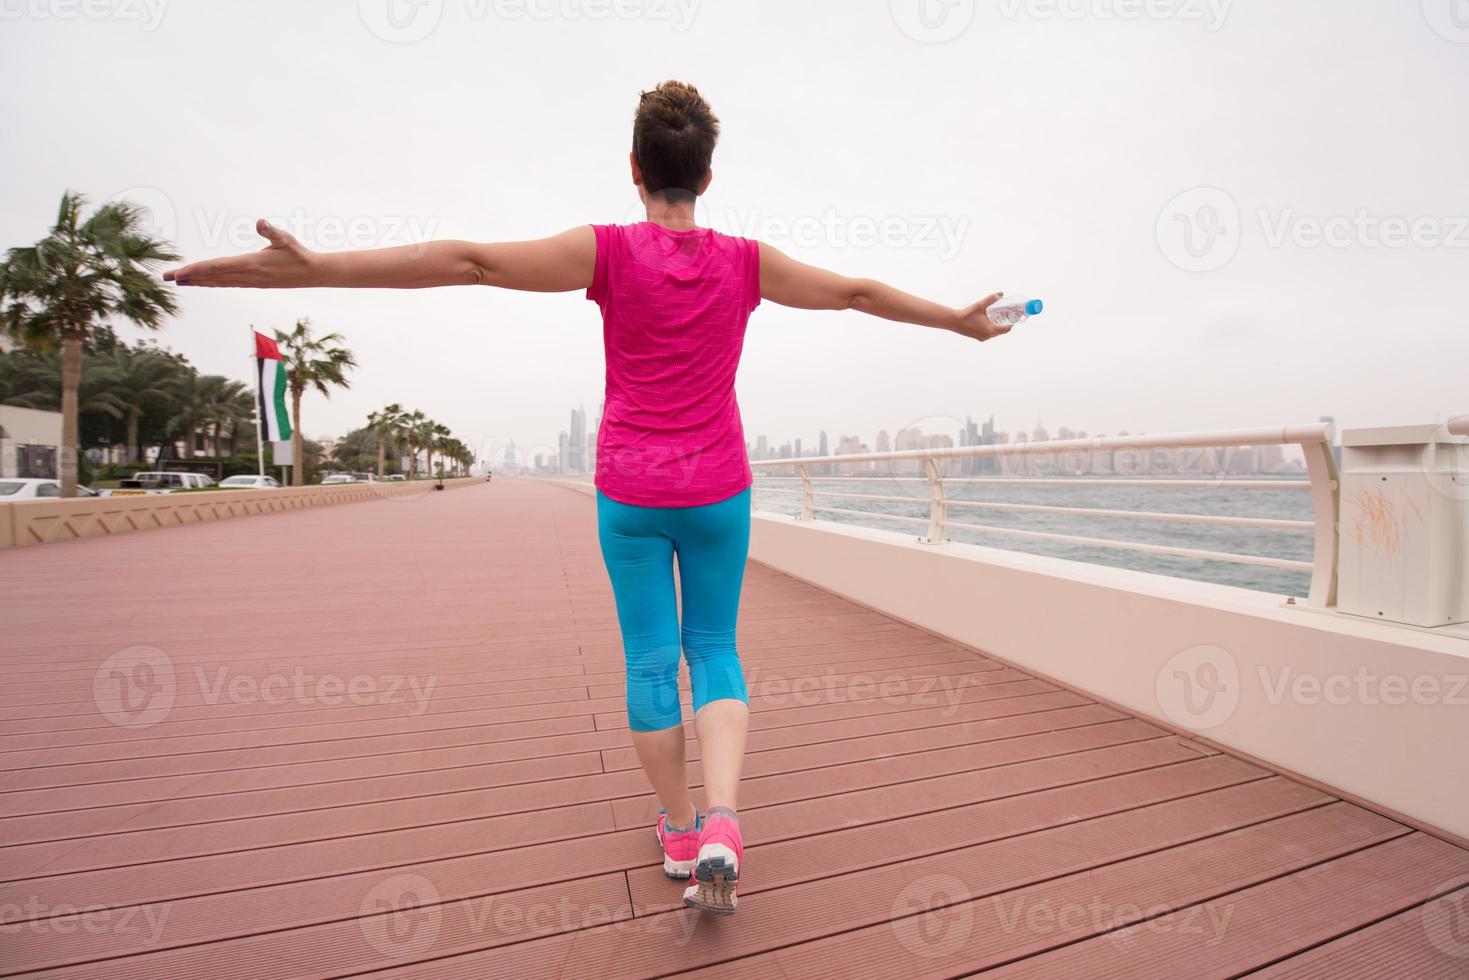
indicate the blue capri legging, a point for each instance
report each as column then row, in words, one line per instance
column 638, row 546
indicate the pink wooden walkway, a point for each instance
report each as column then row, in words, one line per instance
column 387, row 737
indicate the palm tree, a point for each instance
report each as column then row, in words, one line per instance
column 459, row 454
column 386, row 424
column 237, row 412
column 413, row 426
column 192, row 404
column 437, row 437
column 143, row 380
column 222, row 406
column 424, row 430
column 311, row 362
column 58, row 291
column 34, row 382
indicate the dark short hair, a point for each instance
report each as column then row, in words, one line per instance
column 673, row 137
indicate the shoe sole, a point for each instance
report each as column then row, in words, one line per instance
column 714, row 889
column 681, row 870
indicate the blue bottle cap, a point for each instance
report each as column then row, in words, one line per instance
column 1034, row 307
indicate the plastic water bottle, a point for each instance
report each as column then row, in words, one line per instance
column 1011, row 310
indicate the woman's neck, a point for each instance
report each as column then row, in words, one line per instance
column 674, row 211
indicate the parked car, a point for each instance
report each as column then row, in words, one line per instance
column 30, row 488
column 337, row 478
column 159, row 482
column 249, row 481
column 394, row 477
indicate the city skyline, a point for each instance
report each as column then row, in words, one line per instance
column 576, row 451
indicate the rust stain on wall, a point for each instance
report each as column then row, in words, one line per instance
column 1379, row 523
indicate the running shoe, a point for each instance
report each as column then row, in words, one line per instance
column 680, row 847
column 717, row 867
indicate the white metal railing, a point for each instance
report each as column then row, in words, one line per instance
column 1459, row 425
column 1313, row 440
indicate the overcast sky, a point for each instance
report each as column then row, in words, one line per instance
column 1238, row 213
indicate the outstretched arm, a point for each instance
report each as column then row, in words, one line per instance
column 558, row 264
column 785, row 281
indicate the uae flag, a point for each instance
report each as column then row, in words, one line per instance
column 275, row 418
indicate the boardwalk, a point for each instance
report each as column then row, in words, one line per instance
column 180, row 760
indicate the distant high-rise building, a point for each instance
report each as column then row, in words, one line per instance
column 823, row 450
column 574, row 452
column 1270, row 458
column 762, row 447
column 798, row 448
column 592, row 437
column 563, row 454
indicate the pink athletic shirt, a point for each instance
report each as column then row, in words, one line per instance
column 674, row 309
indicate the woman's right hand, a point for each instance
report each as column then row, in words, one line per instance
column 284, row 263
column 974, row 321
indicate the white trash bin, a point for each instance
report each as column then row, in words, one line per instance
column 1405, row 525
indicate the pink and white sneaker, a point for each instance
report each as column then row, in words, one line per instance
column 680, row 847
column 717, row 868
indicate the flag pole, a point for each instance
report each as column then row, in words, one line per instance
column 259, row 437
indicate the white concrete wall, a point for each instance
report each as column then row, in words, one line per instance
column 1378, row 711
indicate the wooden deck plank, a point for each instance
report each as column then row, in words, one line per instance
column 1392, row 947
column 1258, row 925
column 291, row 847
column 504, row 830
column 185, row 806
column 133, row 780
column 327, row 898
column 1035, row 873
